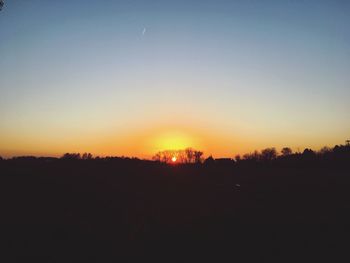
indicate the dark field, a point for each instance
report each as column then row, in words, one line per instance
column 130, row 210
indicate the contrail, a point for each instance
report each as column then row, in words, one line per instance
column 143, row 31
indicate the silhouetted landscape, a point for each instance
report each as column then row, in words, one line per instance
column 259, row 207
column 128, row 129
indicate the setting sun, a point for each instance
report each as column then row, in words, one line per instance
column 130, row 126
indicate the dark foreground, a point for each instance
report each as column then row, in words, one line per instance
column 134, row 211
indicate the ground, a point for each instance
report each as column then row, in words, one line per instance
column 117, row 211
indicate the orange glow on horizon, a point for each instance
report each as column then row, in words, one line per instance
column 144, row 142
column 173, row 140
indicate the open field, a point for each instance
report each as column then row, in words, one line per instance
column 105, row 211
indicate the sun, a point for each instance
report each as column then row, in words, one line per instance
column 174, row 159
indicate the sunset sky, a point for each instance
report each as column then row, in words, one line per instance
column 136, row 77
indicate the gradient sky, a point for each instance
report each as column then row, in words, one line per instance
column 134, row 77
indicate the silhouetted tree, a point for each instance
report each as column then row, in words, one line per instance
column 165, row 156
column 188, row 155
column 341, row 150
column 268, row 154
column 238, row 158
column 198, row 156
column 87, row 156
column 308, row 153
column 255, row 156
column 336, row 149
column 157, row 157
column 286, row 151
column 325, row 150
column 1, row 4
column 71, row 156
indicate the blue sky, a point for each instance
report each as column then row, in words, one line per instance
column 235, row 75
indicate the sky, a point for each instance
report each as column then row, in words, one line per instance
column 135, row 77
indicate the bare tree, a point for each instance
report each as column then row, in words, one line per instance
column 198, row 156
column 87, row 156
column 268, row 154
column 187, row 155
column 157, row 157
column 164, row 156
column 286, row 151
column 255, row 156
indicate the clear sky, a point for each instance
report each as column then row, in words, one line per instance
column 134, row 77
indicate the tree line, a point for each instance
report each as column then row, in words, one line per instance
column 187, row 155
column 192, row 156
